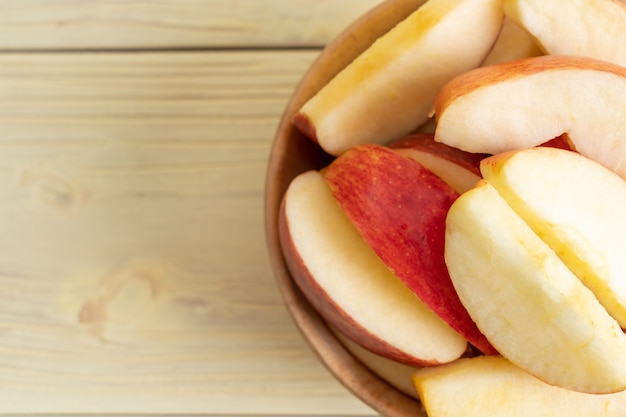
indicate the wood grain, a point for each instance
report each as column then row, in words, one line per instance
column 134, row 275
column 142, row 24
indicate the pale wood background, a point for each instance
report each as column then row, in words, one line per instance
column 133, row 270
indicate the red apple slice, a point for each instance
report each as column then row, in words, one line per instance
column 574, row 27
column 494, row 387
column 523, row 103
column 388, row 91
column 459, row 169
column 349, row 285
column 400, row 207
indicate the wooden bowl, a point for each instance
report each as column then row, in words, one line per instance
column 293, row 154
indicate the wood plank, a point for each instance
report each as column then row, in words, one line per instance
column 133, row 270
column 143, row 24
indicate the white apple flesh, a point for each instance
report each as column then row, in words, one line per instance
column 388, row 91
column 350, row 286
column 577, row 206
column 574, row 27
column 524, row 103
column 529, row 305
column 491, row 386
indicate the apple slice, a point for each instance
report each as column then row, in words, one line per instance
column 459, row 169
column 531, row 307
column 388, row 91
column 400, row 207
column 523, row 103
column 574, row 27
column 513, row 43
column 491, row 386
column 350, row 286
column 577, row 207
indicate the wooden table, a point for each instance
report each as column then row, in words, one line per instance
column 134, row 274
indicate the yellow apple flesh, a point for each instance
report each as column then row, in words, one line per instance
column 524, row 103
column 529, row 305
column 491, row 386
column 388, row 91
column 350, row 286
column 577, row 206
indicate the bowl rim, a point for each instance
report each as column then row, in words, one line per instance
column 349, row 371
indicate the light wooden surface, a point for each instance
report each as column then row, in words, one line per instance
column 132, row 24
column 133, row 269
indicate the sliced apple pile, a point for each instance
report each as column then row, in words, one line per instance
column 486, row 254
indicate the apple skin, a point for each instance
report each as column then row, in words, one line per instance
column 399, row 207
column 553, row 97
column 403, row 69
column 492, row 386
column 350, row 287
